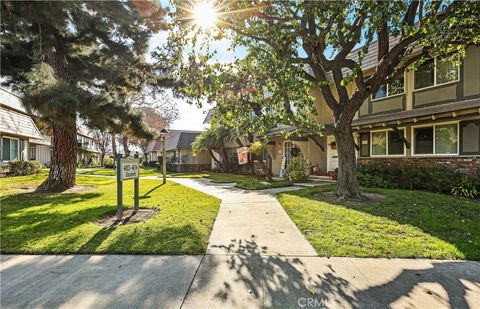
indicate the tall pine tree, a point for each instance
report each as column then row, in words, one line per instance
column 68, row 57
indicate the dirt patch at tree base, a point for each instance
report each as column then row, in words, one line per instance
column 330, row 197
column 129, row 217
column 78, row 189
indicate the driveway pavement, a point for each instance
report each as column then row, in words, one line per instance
column 256, row 258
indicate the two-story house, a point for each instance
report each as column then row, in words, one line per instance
column 431, row 116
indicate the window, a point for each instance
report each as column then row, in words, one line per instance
column 395, row 143
column 6, row 149
column 379, row 143
column 446, row 139
column 437, row 139
column 470, row 137
column 423, row 140
column 33, row 153
column 388, row 90
column 387, row 142
column 364, row 144
column 9, row 149
column 436, row 72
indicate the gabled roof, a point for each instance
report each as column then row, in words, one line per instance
column 369, row 61
column 14, row 118
column 155, row 145
column 11, row 101
column 209, row 116
column 180, row 139
column 45, row 140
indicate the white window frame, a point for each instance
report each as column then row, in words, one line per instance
column 388, row 95
column 386, row 141
column 18, row 148
column 435, row 78
column 433, row 125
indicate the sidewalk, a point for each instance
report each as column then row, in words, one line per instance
column 235, row 281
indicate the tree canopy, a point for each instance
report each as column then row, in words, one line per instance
column 295, row 46
column 78, row 59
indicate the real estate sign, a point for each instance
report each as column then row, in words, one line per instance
column 129, row 168
column 242, row 153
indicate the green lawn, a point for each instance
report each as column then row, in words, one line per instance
column 64, row 223
column 256, row 184
column 144, row 171
column 409, row 224
column 247, row 182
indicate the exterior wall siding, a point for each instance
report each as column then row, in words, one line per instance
column 43, row 154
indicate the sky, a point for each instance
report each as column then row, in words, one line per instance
column 191, row 117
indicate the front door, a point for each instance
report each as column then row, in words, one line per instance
column 332, row 155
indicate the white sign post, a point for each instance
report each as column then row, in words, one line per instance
column 127, row 168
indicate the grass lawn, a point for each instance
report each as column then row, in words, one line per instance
column 64, row 223
column 256, row 184
column 144, row 171
column 408, row 224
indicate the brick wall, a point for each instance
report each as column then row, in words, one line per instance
column 467, row 165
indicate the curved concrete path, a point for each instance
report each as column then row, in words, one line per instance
column 251, row 217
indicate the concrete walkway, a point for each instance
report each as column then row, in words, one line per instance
column 245, row 280
column 247, row 217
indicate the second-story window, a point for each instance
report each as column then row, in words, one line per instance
column 436, row 72
column 387, row 90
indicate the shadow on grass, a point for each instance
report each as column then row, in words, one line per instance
column 147, row 194
column 451, row 219
column 132, row 239
column 22, row 225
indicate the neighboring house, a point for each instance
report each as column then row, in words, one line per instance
column 429, row 117
column 18, row 132
column 87, row 151
column 22, row 140
column 41, row 150
column 178, row 147
column 154, row 151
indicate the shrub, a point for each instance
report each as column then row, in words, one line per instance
column 466, row 187
column 408, row 176
column 298, row 170
column 109, row 163
column 22, row 168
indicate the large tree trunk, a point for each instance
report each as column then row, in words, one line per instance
column 222, row 167
column 64, row 158
column 125, row 146
column 114, row 145
column 347, row 184
column 102, row 159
